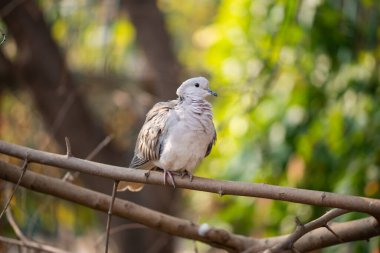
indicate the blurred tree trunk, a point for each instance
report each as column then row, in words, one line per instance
column 41, row 67
column 154, row 40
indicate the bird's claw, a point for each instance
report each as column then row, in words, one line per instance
column 186, row 173
column 167, row 172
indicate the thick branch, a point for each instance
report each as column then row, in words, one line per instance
column 122, row 208
column 348, row 231
column 310, row 197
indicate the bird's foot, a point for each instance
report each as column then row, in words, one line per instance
column 168, row 172
column 147, row 174
column 186, row 173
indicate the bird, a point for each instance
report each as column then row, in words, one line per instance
column 176, row 134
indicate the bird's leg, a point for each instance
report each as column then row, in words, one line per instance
column 187, row 173
column 190, row 176
column 168, row 172
column 147, row 174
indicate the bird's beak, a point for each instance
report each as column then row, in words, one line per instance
column 212, row 92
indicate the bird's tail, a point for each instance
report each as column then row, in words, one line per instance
column 130, row 186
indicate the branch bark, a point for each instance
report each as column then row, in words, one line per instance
column 347, row 231
column 121, row 208
column 302, row 229
column 221, row 187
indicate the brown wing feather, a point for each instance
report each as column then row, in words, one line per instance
column 148, row 141
column 212, row 143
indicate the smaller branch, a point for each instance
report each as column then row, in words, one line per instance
column 302, row 229
column 109, row 215
column 99, row 147
column 298, row 222
column 120, row 228
column 70, row 99
column 15, row 227
column 195, row 246
column 32, row 245
column 68, row 148
column 4, row 37
column 71, row 176
column 333, row 232
column 158, row 244
column 24, row 166
column 294, row 250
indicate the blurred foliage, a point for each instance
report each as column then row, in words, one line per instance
column 298, row 106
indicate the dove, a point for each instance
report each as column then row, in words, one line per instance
column 176, row 134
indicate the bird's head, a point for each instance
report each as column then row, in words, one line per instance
column 195, row 87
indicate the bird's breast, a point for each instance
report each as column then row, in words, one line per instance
column 186, row 142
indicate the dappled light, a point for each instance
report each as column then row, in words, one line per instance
column 298, row 107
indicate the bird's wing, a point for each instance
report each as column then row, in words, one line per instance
column 212, row 142
column 149, row 140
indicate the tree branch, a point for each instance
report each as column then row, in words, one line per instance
column 109, row 214
column 24, row 166
column 122, row 208
column 32, row 245
column 23, row 240
column 222, row 187
column 302, row 229
column 347, row 231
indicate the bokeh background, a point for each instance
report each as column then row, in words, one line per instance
column 298, row 104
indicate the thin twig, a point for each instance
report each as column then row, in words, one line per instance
column 109, row 214
column 333, row 232
column 99, row 147
column 24, row 166
column 195, row 246
column 4, row 37
column 32, row 245
column 20, row 235
column 158, row 244
column 118, row 229
column 71, row 176
column 67, row 177
column 302, row 229
column 68, row 148
column 70, row 99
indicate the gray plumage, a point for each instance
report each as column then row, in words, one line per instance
column 177, row 134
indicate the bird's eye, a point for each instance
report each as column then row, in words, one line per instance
column 197, row 85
